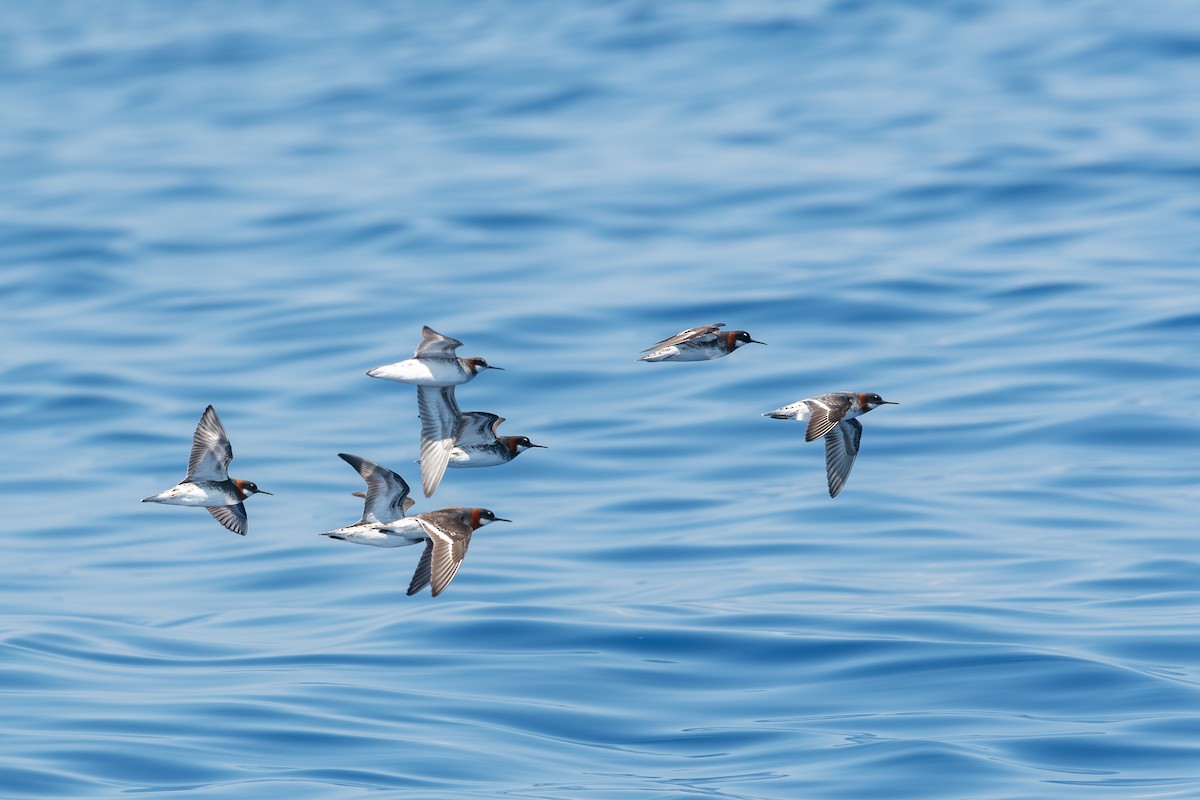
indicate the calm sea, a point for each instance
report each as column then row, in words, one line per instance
column 989, row 212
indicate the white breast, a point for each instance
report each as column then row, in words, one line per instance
column 407, row 530
column 189, row 494
column 423, row 372
column 799, row 411
column 665, row 354
column 475, row 457
column 381, row 536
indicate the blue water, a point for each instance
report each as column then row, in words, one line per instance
column 989, row 212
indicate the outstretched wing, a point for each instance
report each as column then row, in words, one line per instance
column 689, row 335
column 841, row 448
column 447, row 558
column 232, row 517
column 211, row 452
column 439, row 425
column 434, row 345
column 444, row 552
column 420, row 578
column 387, row 493
column 827, row 411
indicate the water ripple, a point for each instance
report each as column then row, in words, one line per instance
column 989, row 217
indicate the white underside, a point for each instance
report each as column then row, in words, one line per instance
column 423, row 372
column 673, row 353
column 400, row 533
column 463, row 459
column 799, row 411
column 189, row 494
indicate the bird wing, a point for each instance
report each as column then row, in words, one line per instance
column 827, row 411
column 386, row 498
column 444, row 552
column 439, row 425
column 434, row 345
column 232, row 517
column 420, row 578
column 447, row 558
column 841, row 448
column 689, row 335
column 211, row 452
column 477, row 427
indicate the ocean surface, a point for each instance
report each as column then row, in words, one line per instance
column 989, row 212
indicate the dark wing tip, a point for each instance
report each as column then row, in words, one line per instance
column 352, row 460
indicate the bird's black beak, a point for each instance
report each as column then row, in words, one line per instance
column 260, row 491
column 531, row 444
column 499, row 368
column 756, row 341
column 498, row 519
column 890, row 403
